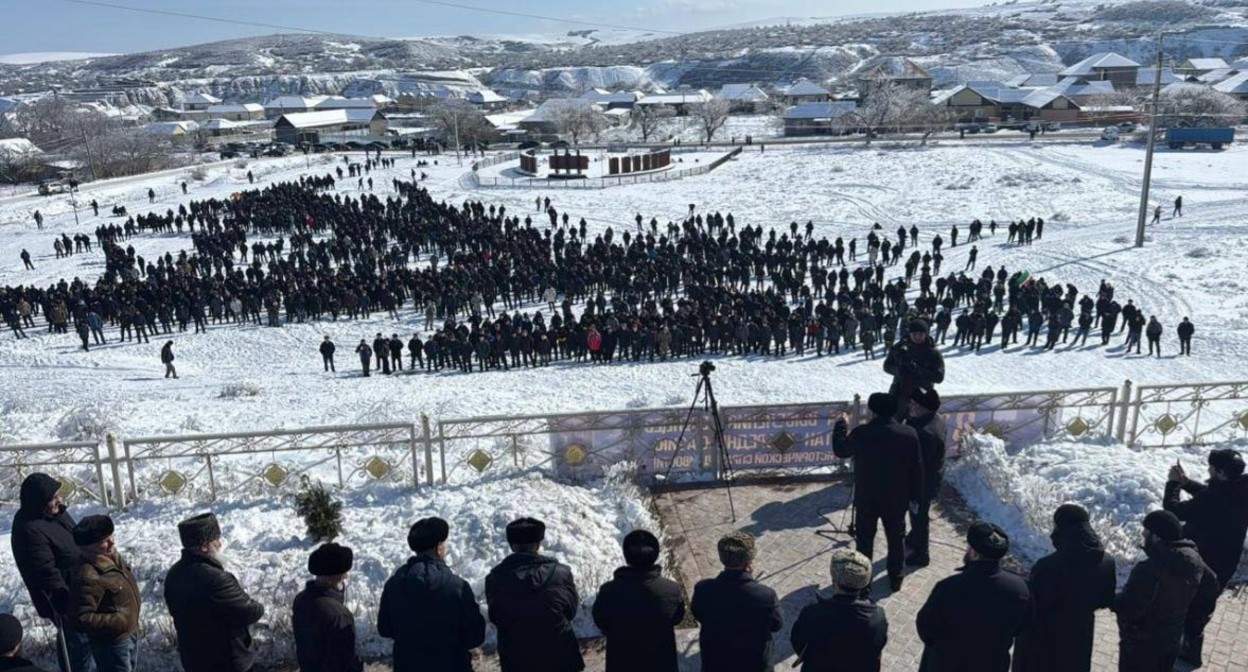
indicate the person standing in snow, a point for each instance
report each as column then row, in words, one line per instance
column 1178, row 207
column 1216, row 520
column 166, row 358
column 327, row 354
column 323, row 626
column 1186, row 329
column 151, row 195
column 1067, row 586
column 45, row 552
column 211, row 612
column 26, row 260
column 1154, row 603
column 1153, row 333
column 104, row 597
column 532, row 600
column 972, row 618
column 638, row 609
column 914, row 362
column 366, row 355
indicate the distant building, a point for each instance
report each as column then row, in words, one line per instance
column 823, row 118
column 1236, row 86
column 199, row 102
column 995, row 101
column 893, row 70
column 1105, row 66
column 805, row 91
column 544, row 121
column 174, row 130
column 1195, row 67
column 330, row 126
column 236, row 112
column 486, row 99
column 373, row 102
column 611, row 100
column 746, row 98
column 289, row 105
column 677, row 101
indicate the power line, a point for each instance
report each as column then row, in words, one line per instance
column 201, row 17
column 524, row 15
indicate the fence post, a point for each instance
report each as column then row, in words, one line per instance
column 119, row 494
column 1126, row 405
column 442, row 450
column 427, row 436
column 856, row 414
column 99, row 475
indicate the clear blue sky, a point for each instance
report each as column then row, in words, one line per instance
column 59, row 25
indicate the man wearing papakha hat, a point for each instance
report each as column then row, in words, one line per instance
column 913, row 362
column 930, row 426
column 844, row 632
column 888, row 479
column 737, row 613
column 1154, row 602
column 532, row 601
column 1216, row 520
column 323, row 625
column 210, row 610
column 45, row 553
column 1067, row 586
column 638, row 609
column 104, row 597
column 11, row 659
column 431, row 613
column 971, row 619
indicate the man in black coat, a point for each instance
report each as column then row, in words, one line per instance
column 210, row 611
column 1153, row 605
column 888, row 479
column 930, row 426
column 737, row 613
column 532, row 600
column 913, row 362
column 11, row 659
column 429, row 612
column 971, row 619
column 846, row 632
column 324, row 627
column 1216, row 520
column 638, row 608
column 327, row 354
column 45, row 553
column 1067, row 586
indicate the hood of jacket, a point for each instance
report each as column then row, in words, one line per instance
column 37, row 490
column 1176, row 557
column 525, row 571
column 1076, row 540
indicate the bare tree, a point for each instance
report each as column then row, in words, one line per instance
column 711, row 116
column 131, row 151
column 1104, row 103
column 17, row 161
column 648, row 118
column 575, row 119
column 1197, row 105
column 460, row 121
column 883, row 109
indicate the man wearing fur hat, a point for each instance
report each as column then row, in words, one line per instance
column 45, row 553
column 738, row 614
column 1067, row 586
column 11, row 659
column 324, row 627
column 429, row 612
column 1216, row 520
column 210, row 610
column 1154, row 603
column 930, row 426
column 638, row 608
column 888, row 479
column 104, row 597
column 845, row 632
column 913, row 362
column 532, row 601
column 971, row 619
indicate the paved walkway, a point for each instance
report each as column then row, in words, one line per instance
column 793, row 560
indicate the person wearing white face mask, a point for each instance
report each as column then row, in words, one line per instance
column 211, row 611
column 324, row 627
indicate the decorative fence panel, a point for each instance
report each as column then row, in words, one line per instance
column 1167, row 415
column 1028, row 417
column 78, row 466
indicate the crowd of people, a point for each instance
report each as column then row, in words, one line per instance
column 497, row 290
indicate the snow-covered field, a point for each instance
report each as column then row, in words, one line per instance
column 1088, row 195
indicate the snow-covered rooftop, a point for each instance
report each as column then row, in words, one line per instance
column 1146, row 76
column 293, row 103
column 548, row 111
column 1204, row 63
column 1237, row 85
column 893, row 67
column 218, row 124
column 321, row 118
column 743, row 93
column 236, row 108
column 201, row 98
column 605, row 97
column 805, row 87
column 823, row 110
column 676, row 98
column 171, row 127
column 17, row 147
column 485, row 97
column 1095, row 62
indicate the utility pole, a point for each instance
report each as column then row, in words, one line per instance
column 1152, row 142
column 458, row 157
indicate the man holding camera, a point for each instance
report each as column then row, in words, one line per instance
column 913, row 362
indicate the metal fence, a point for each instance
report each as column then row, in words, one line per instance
column 472, row 179
column 676, row 443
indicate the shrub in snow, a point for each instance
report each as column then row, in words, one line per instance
column 1060, row 216
column 85, row 423
column 245, row 388
column 321, row 513
column 1200, row 253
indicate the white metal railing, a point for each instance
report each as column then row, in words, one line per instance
column 783, row 438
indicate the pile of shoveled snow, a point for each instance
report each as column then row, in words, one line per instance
column 1117, row 484
column 267, row 549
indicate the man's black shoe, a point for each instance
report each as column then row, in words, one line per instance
column 894, row 584
column 916, row 560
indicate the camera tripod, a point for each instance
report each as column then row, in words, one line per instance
column 849, row 514
column 705, row 393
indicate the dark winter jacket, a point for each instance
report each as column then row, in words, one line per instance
column 637, row 611
column 105, row 600
column 970, row 620
column 913, row 366
column 1186, row 329
column 532, row 601
column 211, row 614
column 1067, row 587
column 888, row 465
column 738, row 615
column 931, row 430
column 1153, row 604
column 18, row 664
column 327, row 348
column 432, row 616
column 324, row 631
column 43, row 546
column 840, row 634
column 1216, row 519
column 166, row 354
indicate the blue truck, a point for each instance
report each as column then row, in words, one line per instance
column 1178, row 138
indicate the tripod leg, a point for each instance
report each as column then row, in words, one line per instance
column 697, row 394
column 725, row 460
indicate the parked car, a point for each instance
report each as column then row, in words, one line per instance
column 1126, row 127
column 1053, row 126
column 49, row 188
column 989, row 128
column 1110, row 134
column 530, row 144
